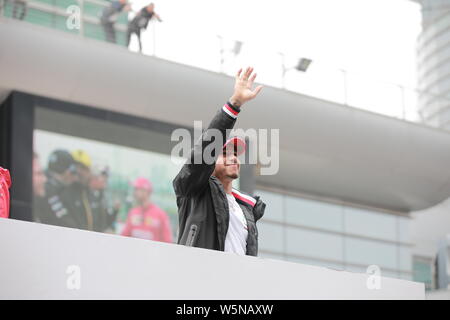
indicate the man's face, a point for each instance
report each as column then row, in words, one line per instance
column 141, row 195
column 84, row 174
column 227, row 166
column 68, row 177
column 150, row 7
column 39, row 179
column 98, row 182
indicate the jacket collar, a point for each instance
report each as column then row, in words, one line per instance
column 244, row 198
column 239, row 196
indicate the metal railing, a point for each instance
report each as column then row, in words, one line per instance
column 220, row 54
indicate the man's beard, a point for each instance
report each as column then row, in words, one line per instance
column 233, row 176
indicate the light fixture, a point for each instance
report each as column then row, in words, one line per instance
column 303, row 64
column 237, row 47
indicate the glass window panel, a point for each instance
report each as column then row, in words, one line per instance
column 266, row 255
column 390, row 274
column 314, row 213
column 405, row 258
column 274, row 202
column 403, row 229
column 270, row 237
column 405, row 276
column 370, row 223
column 116, row 154
column 368, row 252
column 313, row 244
column 423, row 272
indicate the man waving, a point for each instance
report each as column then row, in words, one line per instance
column 212, row 214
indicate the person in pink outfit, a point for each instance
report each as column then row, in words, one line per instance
column 146, row 220
column 5, row 184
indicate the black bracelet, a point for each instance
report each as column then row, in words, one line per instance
column 235, row 108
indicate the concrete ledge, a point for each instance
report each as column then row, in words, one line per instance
column 36, row 260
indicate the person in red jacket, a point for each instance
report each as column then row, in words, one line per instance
column 5, row 183
column 146, row 220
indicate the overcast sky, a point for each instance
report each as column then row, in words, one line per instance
column 372, row 39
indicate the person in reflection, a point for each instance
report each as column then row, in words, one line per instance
column 51, row 206
column 140, row 22
column 22, row 4
column 146, row 220
column 39, row 178
column 5, row 184
column 88, row 203
column 19, row 8
column 109, row 17
column 212, row 214
column 104, row 215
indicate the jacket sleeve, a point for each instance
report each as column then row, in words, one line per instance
column 193, row 177
column 259, row 208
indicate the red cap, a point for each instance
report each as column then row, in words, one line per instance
column 235, row 143
column 143, row 183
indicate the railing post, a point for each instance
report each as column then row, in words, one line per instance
column 2, row 7
column 283, row 70
column 222, row 53
column 344, row 76
column 154, row 38
column 81, row 31
column 402, row 93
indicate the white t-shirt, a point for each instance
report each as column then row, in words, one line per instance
column 236, row 238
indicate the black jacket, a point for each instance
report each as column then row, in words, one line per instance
column 141, row 20
column 73, row 206
column 202, row 203
column 53, row 207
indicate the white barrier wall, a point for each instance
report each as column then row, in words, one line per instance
column 46, row 262
column 443, row 294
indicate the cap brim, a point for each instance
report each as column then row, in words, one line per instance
column 235, row 144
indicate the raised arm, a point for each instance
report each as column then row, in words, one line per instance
column 193, row 177
column 157, row 17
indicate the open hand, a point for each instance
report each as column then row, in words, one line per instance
column 243, row 87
